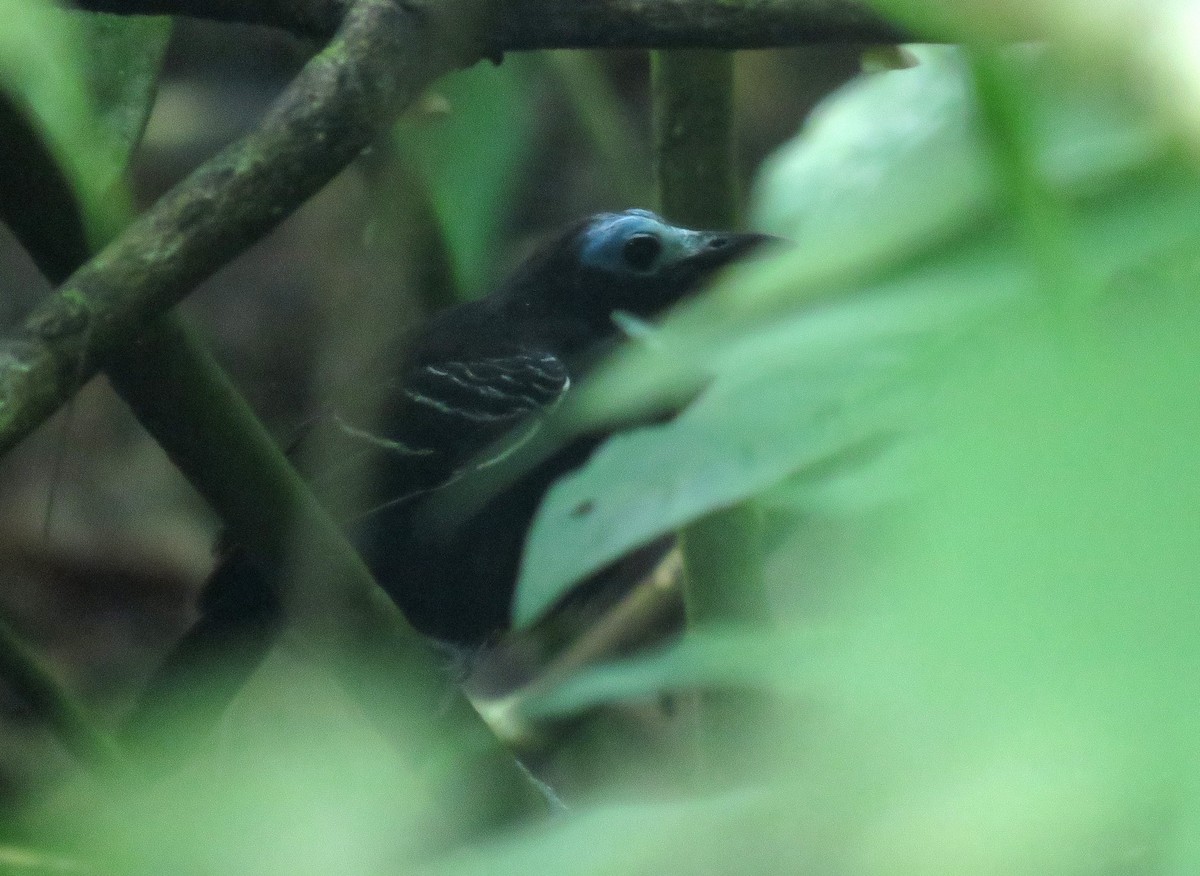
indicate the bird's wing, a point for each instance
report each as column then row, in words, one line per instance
column 439, row 418
column 461, row 406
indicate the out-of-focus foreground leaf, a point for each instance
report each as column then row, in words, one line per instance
column 1150, row 44
column 1010, row 685
column 1005, row 681
column 907, row 273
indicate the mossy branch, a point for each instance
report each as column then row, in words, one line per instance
column 717, row 24
column 569, row 24
column 381, row 59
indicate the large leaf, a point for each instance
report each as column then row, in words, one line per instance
column 843, row 193
column 794, row 395
column 1011, row 686
column 1150, row 44
column 794, row 391
column 122, row 60
column 897, row 158
column 470, row 157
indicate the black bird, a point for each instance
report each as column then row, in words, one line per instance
column 473, row 375
column 477, row 372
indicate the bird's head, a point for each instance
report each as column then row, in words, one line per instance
column 634, row 261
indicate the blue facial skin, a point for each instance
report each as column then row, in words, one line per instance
column 563, row 297
column 607, row 238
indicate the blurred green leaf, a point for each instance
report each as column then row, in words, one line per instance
column 890, row 161
column 296, row 781
column 123, row 55
column 719, row 834
column 1010, row 687
column 1054, row 550
column 472, row 156
column 843, row 191
column 896, row 161
column 18, row 861
column 816, row 393
column 763, row 420
column 1041, row 610
column 798, row 391
column 1146, row 45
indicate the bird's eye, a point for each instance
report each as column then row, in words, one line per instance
column 641, row 250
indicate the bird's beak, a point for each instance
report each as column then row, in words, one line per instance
column 715, row 249
column 692, row 257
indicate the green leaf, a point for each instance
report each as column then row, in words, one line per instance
column 1010, row 686
column 470, row 157
column 797, row 391
column 726, row 833
column 123, row 57
column 1158, row 71
column 752, row 428
column 890, row 160
column 896, row 161
column 86, row 82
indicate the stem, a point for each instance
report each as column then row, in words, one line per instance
column 66, row 717
column 694, row 161
column 697, row 180
column 692, row 91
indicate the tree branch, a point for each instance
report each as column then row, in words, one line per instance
column 383, row 57
column 570, row 24
column 650, row 24
column 317, row 19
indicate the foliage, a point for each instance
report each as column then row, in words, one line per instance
column 88, row 80
column 965, row 399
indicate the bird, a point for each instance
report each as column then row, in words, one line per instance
column 471, row 379
column 477, row 374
